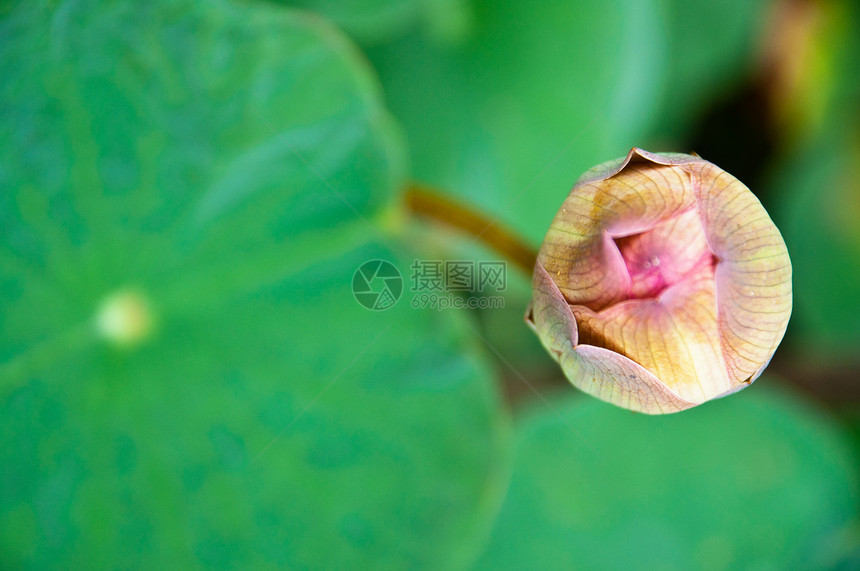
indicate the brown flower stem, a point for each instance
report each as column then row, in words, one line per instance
column 429, row 203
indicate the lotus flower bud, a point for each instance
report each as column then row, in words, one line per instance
column 662, row 283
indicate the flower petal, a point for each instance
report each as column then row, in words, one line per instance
column 612, row 200
column 753, row 276
column 675, row 336
column 600, row 372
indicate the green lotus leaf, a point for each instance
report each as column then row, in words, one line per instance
column 375, row 21
column 758, row 480
column 185, row 376
column 508, row 114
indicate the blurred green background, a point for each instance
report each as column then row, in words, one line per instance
column 187, row 188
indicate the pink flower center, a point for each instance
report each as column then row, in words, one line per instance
column 665, row 255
